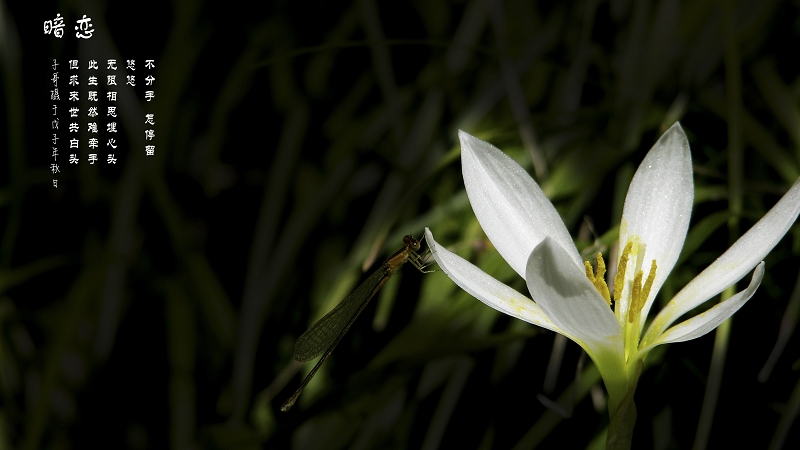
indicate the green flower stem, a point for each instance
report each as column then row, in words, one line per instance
column 622, row 416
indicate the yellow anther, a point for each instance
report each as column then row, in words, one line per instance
column 601, row 265
column 619, row 279
column 634, row 306
column 598, row 280
column 649, row 283
column 641, row 292
column 589, row 271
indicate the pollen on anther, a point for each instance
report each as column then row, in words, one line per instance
column 598, row 280
column 601, row 265
column 635, row 306
column 649, row 283
column 619, row 278
column 641, row 292
column 589, row 271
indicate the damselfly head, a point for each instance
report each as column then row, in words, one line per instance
column 411, row 243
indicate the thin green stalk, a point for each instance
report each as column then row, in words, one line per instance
column 789, row 415
column 733, row 87
column 622, row 418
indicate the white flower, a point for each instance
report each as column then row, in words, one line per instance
column 569, row 297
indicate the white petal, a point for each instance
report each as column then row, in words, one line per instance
column 569, row 299
column 734, row 264
column 703, row 323
column 510, row 206
column 658, row 207
column 485, row 288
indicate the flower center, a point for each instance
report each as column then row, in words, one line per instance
column 639, row 290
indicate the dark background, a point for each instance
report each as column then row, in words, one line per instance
column 155, row 303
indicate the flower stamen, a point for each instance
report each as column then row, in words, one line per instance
column 619, row 278
column 641, row 292
column 599, row 280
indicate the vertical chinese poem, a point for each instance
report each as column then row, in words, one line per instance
column 54, row 97
column 149, row 116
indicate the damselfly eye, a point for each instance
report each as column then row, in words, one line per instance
column 412, row 243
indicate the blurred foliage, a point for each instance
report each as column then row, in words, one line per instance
column 299, row 141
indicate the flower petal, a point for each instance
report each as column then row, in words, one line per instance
column 569, row 299
column 485, row 288
column 734, row 264
column 657, row 209
column 510, row 206
column 704, row 322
